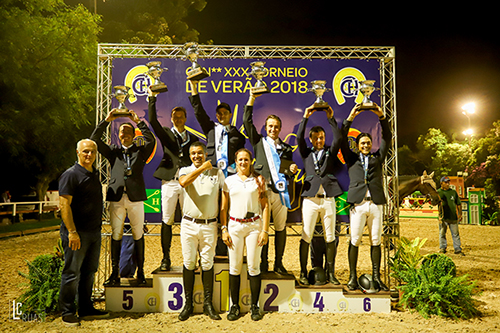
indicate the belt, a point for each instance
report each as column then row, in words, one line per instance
column 204, row 221
column 321, row 196
column 252, row 219
column 367, row 199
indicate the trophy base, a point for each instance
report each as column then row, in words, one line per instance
column 197, row 74
column 124, row 113
column 260, row 90
column 320, row 106
column 367, row 106
column 159, row 88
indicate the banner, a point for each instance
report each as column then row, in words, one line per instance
column 230, row 81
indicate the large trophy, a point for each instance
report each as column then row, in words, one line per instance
column 318, row 87
column 121, row 94
column 196, row 73
column 155, row 71
column 366, row 88
column 258, row 72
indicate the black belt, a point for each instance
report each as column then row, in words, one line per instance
column 203, row 221
column 367, row 199
column 321, row 196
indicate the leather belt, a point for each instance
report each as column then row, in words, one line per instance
column 367, row 199
column 203, row 221
column 252, row 219
column 321, row 196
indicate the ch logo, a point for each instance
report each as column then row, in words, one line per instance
column 345, row 84
column 139, row 81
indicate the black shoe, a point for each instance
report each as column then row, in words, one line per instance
column 93, row 314
column 234, row 313
column 442, row 250
column 165, row 265
column 264, row 267
column 113, row 280
column 71, row 320
column 303, row 279
column 460, row 253
column 186, row 312
column 333, row 280
column 209, row 310
column 280, row 269
column 255, row 312
column 141, row 279
column 353, row 283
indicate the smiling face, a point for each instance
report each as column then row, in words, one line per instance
column 126, row 134
column 178, row 119
column 365, row 145
column 243, row 162
column 86, row 152
column 317, row 139
column 197, row 155
column 223, row 116
column 273, row 128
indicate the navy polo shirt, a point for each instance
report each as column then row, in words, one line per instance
column 85, row 188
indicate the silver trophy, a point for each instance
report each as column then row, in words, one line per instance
column 196, row 73
column 121, row 94
column 366, row 88
column 155, row 71
column 258, row 72
column 318, row 87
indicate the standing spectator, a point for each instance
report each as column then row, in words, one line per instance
column 450, row 213
column 81, row 210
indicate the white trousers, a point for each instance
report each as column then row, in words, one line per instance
column 123, row 208
column 279, row 211
column 171, row 192
column 198, row 237
column 244, row 234
column 312, row 208
column 369, row 214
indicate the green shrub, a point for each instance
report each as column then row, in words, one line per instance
column 439, row 265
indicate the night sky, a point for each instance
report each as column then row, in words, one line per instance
column 445, row 56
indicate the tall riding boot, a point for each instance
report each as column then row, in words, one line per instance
column 303, row 254
column 234, row 290
column 331, row 253
column 166, row 242
column 207, row 277
column 353, row 262
column 279, row 247
column 114, row 278
column 255, row 284
column 264, row 263
column 188, row 282
column 376, row 254
column 139, row 252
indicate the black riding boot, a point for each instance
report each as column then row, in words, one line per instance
column 234, row 290
column 331, row 253
column 264, row 263
column 279, row 248
column 188, row 282
column 303, row 254
column 166, row 242
column 139, row 252
column 114, row 278
column 353, row 262
column 376, row 254
column 255, row 283
column 207, row 277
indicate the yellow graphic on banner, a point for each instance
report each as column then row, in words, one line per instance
column 345, row 84
column 138, row 80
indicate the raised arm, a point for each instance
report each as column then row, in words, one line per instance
column 103, row 148
column 199, row 112
column 250, row 129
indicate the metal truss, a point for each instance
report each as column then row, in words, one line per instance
column 384, row 54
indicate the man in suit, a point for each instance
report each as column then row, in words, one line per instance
column 320, row 189
column 126, row 189
column 275, row 163
column 176, row 143
column 366, row 192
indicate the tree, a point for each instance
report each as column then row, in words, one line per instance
column 47, row 84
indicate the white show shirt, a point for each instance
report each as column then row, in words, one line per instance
column 244, row 196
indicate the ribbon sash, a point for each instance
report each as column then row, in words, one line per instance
column 274, row 162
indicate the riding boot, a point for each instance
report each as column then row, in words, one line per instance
column 331, row 253
column 376, row 254
column 207, row 277
column 166, row 242
column 188, row 282
column 279, row 247
column 255, row 284
column 139, row 252
column 114, row 278
column 353, row 262
column 234, row 290
column 303, row 254
column 264, row 263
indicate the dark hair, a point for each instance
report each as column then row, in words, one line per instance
column 223, row 105
column 275, row 117
column 316, row 129
column 198, row 144
column 127, row 124
column 258, row 178
column 362, row 135
column 177, row 109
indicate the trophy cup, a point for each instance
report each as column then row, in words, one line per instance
column 196, row 73
column 366, row 88
column 318, row 88
column 258, row 72
column 121, row 94
column 155, row 72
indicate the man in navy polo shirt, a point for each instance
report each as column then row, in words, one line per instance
column 80, row 196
